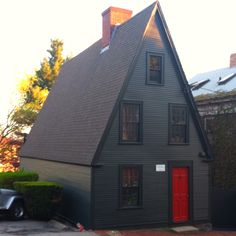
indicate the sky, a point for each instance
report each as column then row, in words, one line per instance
column 203, row 32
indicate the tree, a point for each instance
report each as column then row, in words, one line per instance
column 34, row 88
column 9, row 145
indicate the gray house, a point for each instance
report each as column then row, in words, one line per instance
column 121, row 133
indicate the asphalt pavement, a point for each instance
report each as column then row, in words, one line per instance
column 40, row 228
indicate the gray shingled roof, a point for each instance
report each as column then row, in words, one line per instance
column 212, row 85
column 76, row 112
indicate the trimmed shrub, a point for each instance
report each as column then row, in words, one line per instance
column 8, row 178
column 41, row 198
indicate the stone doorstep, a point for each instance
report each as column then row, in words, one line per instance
column 184, row 229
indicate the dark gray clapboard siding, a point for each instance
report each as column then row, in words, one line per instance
column 107, row 212
column 155, row 149
column 76, row 181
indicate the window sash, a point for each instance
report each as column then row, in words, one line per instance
column 178, row 121
column 130, row 122
column 130, row 186
column 154, row 68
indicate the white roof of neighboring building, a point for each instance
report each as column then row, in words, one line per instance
column 213, row 81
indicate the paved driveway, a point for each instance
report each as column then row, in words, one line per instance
column 39, row 228
column 53, row 228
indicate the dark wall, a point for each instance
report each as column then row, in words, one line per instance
column 224, row 208
column 155, row 150
column 76, row 181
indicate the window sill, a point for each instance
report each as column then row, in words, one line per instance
column 130, row 143
column 130, row 208
column 178, row 144
column 155, row 84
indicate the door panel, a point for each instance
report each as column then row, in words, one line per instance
column 180, row 194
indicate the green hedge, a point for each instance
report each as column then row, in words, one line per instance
column 8, row 178
column 41, row 198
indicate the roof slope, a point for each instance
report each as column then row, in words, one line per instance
column 76, row 112
column 213, row 86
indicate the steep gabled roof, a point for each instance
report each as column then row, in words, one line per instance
column 76, row 112
column 72, row 125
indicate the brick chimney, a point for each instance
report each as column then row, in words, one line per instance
column 233, row 60
column 110, row 18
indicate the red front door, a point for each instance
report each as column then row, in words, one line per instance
column 180, row 191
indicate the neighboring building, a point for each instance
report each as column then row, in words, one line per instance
column 215, row 96
column 212, row 82
column 215, row 88
column 121, row 133
column 215, row 91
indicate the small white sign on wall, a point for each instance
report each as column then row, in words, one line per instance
column 161, row 168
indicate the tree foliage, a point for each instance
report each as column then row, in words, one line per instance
column 222, row 134
column 34, row 88
column 9, row 144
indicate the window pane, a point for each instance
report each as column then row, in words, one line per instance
column 178, row 115
column 183, row 117
column 131, row 112
column 130, row 191
column 155, row 63
column 130, row 197
column 131, row 122
column 130, row 177
column 131, row 132
column 155, row 76
column 178, row 134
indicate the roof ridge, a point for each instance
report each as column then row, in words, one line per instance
column 137, row 14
